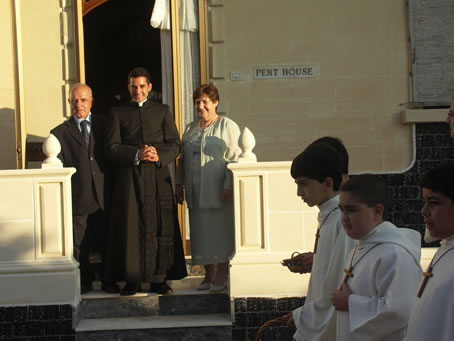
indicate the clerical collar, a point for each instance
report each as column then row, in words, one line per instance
column 141, row 103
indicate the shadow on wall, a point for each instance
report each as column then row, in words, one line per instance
column 34, row 154
column 8, row 138
column 15, row 246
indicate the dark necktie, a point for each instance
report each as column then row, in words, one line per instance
column 83, row 125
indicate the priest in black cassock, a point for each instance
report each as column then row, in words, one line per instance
column 145, row 242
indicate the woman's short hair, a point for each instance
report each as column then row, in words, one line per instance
column 208, row 90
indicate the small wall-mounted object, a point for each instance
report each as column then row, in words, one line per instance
column 236, row 76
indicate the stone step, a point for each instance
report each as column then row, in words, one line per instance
column 157, row 328
column 190, row 282
column 181, row 302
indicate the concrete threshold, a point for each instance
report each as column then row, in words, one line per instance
column 154, row 322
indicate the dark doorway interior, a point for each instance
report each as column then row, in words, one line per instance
column 118, row 37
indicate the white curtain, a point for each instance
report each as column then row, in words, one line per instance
column 189, row 53
column 189, row 60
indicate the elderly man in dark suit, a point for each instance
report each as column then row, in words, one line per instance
column 145, row 242
column 81, row 138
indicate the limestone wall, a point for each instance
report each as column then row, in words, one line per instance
column 361, row 50
column 39, row 62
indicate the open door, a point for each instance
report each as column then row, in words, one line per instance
column 115, row 36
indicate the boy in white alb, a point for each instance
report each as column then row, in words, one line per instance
column 432, row 315
column 318, row 173
column 382, row 272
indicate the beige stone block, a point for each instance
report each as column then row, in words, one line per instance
column 286, row 232
column 16, row 199
column 44, row 288
column 397, row 159
column 7, row 55
column 280, row 183
column 397, row 90
column 365, row 159
column 364, row 90
column 216, row 21
column 267, row 280
column 217, row 2
column 49, row 220
column 17, row 242
column 42, row 59
column 424, row 115
column 218, row 67
column 250, row 219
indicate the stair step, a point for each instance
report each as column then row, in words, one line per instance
column 187, row 283
column 162, row 328
column 181, row 302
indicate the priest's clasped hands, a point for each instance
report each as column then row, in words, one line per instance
column 339, row 298
column 148, row 154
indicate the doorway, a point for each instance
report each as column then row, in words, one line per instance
column 118, row 37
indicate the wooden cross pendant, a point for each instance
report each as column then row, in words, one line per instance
column 427, row 275
column 348, row 274
column 317, row 236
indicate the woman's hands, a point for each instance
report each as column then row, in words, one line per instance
column 179, row 193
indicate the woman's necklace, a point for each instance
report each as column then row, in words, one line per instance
column 206, row 124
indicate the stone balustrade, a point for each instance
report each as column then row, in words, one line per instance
column 36, row 248
column 271, row 222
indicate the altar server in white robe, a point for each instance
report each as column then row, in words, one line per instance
column 432, row 316
column 382, row 272
column 318, row 172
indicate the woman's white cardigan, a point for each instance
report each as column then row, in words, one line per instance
column 219, row 146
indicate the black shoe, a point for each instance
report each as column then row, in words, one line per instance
column 160, row 288
column 129, row 289
column 110, row 287
column 85, row 288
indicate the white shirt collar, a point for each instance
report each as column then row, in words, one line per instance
column 78, row 120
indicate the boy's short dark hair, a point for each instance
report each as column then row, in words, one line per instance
column 440, row 179
column 338, row 145
column 318, row 162
column 139, row 72
column 369, row 189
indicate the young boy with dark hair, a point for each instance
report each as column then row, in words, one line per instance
column 318, row 172
column 432, row 315
column 382, row 272
column 337, row 144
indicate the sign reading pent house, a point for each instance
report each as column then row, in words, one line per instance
column 286, row 71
